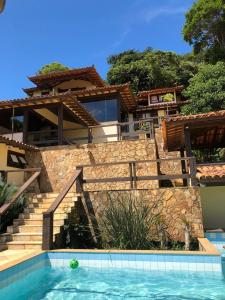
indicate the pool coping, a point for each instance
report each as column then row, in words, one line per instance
column 207, row 249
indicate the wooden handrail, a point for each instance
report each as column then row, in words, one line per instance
column 139, row 161
column 48, row 216
column 4, row 208
column 133, row 178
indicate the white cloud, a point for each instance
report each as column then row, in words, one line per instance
column 152, row 13
column 120, row 39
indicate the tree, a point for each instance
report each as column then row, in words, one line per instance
column 205, row 29
column 52, row 67
column 206, row 91
column 150, row 69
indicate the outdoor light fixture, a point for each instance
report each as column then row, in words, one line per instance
column 2, row 5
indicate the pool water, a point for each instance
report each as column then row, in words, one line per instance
column 87, row 283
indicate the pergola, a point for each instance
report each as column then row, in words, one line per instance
column 193, row 132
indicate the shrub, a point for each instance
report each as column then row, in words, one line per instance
column 128, row 223
column 6, row 193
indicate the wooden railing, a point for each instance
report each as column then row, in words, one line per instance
column 188, row 167
column 98, row 133
column 5, row 207
column 48, row 216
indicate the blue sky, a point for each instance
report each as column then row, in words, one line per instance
column 81, row 33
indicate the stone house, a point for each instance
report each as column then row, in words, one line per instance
column 88, row 143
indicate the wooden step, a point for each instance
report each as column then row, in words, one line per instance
column 35, row 229
column 64, row 209
column 20, row 245
column 47, row 205
column 50, row 195
column 39, row 216
column 39, row 222
column 50, row 201
column 29, row 236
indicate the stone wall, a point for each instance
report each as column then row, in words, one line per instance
column 58, row 163
column 174, row 205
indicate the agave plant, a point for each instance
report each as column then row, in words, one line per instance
column 128, row 223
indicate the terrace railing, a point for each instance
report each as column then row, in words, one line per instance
column 188, row 173
column 112, row 131
column 79, row 180
column 48, row 216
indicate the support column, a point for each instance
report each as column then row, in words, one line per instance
column 25, row 125
column 60, row 124
column 187, row 141
column 183, row 166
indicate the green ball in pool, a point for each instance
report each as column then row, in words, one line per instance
column 74, row 264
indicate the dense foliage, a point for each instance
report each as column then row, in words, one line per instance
column 52, row 67
column 206, row 90
column 150, row 69
column 6, row 193
column 205, row 29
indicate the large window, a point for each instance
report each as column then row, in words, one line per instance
column 103, row 110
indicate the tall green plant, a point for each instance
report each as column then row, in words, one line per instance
column 6, row 193
column 128, row 223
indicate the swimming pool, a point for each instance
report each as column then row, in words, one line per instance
column 114, row 276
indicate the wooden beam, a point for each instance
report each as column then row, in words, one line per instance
column 187, row 141
column 183, row 167
column 60, row 124
column 25, row 125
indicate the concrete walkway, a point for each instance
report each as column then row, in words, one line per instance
column 9, row 258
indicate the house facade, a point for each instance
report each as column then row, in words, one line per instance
column 76, row 107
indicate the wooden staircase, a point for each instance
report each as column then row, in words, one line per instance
column 26, row 231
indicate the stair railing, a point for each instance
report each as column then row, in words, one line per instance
column 48, row 216
column 6, row 206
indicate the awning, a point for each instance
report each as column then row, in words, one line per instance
column 206, row 131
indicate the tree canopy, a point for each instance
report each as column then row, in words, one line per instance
column 150, row 69
column 205, row 29
column 206, row 91
column 52, row 67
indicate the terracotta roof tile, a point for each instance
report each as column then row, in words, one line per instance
column 211, row 171
column 209, row 115
column 48, row 79
column 18, row 144
column 161, row 91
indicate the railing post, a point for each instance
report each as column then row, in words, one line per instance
column 193, row 171
column 79, row 181
column 134, row 176
column 131, row 175
column 119, row 132
column 47, row 243
column 90, row 136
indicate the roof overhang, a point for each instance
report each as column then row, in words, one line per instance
column 206, row 131
column 55, row 78
column 123, row 90
column 159, row 91
column 17, row 144
column 68, row 100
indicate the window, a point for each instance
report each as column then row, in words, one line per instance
column 103, row 110
column 16, row 160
